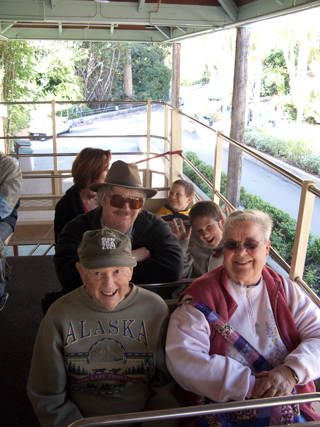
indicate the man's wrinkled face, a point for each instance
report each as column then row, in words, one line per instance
column 107, row 286
column 122, row 218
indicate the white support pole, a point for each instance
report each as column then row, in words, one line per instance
column 56, row 183
column 166, row 143
column 302, row 232
column 148, row 178
column 176, row 144
column 217, row 166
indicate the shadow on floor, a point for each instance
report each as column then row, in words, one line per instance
column 30, row 278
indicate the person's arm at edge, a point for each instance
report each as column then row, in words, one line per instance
column 304, row 360
column 10, row 184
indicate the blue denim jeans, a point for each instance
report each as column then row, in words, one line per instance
column 5, row 231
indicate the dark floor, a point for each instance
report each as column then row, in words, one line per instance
column 31, row 277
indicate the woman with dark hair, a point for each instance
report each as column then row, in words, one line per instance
column 89, row 167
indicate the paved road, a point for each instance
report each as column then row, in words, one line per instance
column 279, row 191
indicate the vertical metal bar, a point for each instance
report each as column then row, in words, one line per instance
column 148, row 178
column 176, row 144
column 166, row 143
column 217, row 166
column 56, row 183
column 302, row 232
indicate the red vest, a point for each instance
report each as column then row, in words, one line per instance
column 212, row 290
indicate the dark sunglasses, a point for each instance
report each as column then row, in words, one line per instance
column 232, row 245
column 117, row 201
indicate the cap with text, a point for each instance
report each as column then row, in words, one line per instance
column 105, row 248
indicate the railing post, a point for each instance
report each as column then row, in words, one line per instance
column 217, row 166
column 176, row 144
column 166, row 142
column 302, row 232
column 147, row 176
column 56, row 183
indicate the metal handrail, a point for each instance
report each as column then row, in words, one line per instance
column 83, row 136
column 274, row 254
column 315, row 191
column 122, row 153
column 257, row 155
column 192, row 411
column 159, row 285
column 312, row 189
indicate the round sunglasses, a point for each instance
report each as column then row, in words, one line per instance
column 118, row 201
column 232, row 245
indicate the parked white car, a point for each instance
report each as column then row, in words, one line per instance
column 41, row 125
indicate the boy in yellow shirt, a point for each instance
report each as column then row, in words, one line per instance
column 180, row 196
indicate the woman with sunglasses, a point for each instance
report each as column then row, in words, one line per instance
column 244, row 331
column 89, row 167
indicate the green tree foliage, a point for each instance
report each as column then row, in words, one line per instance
column 98, row 65
column 37, row 71
column 16, row 71
column 55, row 72
column 206, row 75
column 275, row 77
column 283, row 233
column 71, row 71
column 150, row 74
column 312, row 108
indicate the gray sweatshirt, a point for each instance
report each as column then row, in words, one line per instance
column 89, row 361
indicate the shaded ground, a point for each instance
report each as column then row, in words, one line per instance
column 31, row 278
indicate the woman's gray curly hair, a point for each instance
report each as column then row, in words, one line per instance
column 260, row 218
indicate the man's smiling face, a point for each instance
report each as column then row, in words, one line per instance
column 122, row 218
column 107, row 286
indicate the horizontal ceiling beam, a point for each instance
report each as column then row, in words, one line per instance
column 111, row 34
column 113, row 12
column 133, row 21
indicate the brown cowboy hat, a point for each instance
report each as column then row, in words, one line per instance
column 125, row 175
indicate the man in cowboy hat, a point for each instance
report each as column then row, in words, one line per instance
column 154, row 246
column 100, row 349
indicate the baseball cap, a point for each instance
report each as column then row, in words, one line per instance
column 105, row 248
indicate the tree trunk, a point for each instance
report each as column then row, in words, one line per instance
column 175, row 79
column 127, row 78
column 238, row 116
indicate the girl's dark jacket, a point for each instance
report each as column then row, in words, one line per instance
column 69, row 207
